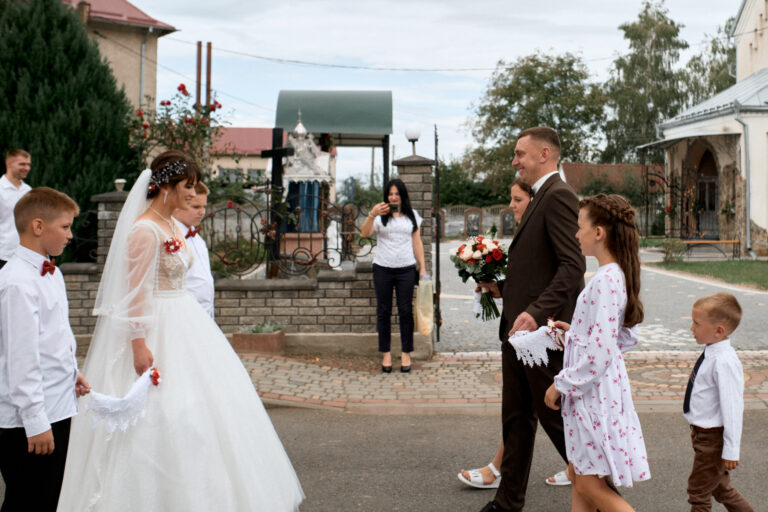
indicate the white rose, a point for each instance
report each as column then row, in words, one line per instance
column 490, row 246
column 477, row 255
column 466, row 254
column 485, row 251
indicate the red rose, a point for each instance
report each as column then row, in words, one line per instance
column 495, row 242
column 488, row 258
column 479, row 247
column 472, row 260
column 230, row 204
column 497, row 254
column 480, row 239
column 145, row 125
column 139, row 113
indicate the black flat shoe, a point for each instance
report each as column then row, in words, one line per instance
column 386, row 369
column 405, row 369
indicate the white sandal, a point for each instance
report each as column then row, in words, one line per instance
column 559, row 479
column 476, row 478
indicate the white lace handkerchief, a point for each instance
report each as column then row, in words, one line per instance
column 121, row 413
column 531, row 346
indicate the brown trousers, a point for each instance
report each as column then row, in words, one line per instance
column 709, row 477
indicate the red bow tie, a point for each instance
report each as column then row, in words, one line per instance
column 48, row 266
column 192, row 232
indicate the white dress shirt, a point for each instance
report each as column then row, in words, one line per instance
column 394, row 242
column 536, row 186
column 717, row 396
column 9, row 196
column 38, row 369
column 199, row 277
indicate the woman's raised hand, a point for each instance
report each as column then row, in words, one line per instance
column 380, row 209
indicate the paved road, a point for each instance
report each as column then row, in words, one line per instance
column 409, row 463
column 667, row 298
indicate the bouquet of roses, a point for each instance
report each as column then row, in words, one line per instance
column 482, row 259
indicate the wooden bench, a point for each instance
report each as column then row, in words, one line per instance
column 692, row 244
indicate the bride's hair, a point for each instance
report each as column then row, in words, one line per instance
column 170, row 167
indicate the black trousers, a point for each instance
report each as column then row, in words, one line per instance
column 32, row 482
column 522, row 408
column 403, row 280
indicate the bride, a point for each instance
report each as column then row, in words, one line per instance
column 205, row 441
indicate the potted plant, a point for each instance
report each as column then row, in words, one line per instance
column 266, row 337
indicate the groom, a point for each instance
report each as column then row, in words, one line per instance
column 545, row 246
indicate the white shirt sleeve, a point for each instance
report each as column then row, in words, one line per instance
column 730, row 385
column 19, row 318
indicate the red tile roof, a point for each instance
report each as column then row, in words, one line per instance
column 578, row 174
column 244, row 141
column 121, row 12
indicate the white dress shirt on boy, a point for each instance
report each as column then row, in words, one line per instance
column 9, row 196
column 717, row 398
column 38, row 369
column 199, row 277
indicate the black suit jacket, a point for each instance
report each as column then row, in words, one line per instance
column 545, row 269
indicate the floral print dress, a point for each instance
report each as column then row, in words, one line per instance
column 602, row 431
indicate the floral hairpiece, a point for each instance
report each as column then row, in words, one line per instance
column 168, row 171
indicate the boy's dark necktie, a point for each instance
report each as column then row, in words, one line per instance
column 689, row 389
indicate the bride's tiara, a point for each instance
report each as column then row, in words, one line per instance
column 168, row 171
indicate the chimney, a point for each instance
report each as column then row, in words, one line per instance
column 83, row 12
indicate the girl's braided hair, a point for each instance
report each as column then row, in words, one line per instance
column 615, row 214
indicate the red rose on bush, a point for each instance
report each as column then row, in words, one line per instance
column 139, row 113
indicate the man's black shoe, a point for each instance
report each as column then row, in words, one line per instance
column 491, row 507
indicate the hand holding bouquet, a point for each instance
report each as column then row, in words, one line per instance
column 483, row 260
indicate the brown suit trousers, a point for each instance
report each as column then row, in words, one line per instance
column 709, row 478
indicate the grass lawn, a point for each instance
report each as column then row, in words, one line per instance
column 748, row 272
column 652, row 241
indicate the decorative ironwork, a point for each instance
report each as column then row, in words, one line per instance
column 84, row 244
column 246, row 234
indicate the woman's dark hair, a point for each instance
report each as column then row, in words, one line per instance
column 170, row 167
column 615, row 214
column 523, row 186
column 405, row 203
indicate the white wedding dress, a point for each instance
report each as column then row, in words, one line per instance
column 205, row 441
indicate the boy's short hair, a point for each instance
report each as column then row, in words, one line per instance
column 42, row 203
column 721, row 308
column 201, row 189
column 12, row 153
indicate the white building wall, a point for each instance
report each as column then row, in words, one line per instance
column 751, row 37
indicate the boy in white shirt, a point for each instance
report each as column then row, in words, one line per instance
column 17, row 165
column 39, row 379
column 714, row 405
column 199, row 277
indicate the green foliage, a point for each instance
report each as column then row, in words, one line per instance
column 629, row 187
column 709, row 72
column 263, row 328
column 745, row 272
column 365, row 196
column 60, row 101
column 645, row 86
column 674, row 250
column 179, row 124
column 458, row 187
column 539, row 89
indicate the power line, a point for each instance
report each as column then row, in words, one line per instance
column 178, row 73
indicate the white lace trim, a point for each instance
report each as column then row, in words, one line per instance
column 120, row 413
column 531, row 346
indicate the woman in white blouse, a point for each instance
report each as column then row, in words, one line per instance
column 398, row 250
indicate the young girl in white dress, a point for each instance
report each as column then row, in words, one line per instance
column 602, row 431
column 205, row 441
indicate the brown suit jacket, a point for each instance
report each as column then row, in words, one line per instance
column 545, row 269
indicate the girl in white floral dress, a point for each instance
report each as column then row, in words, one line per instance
column 602, row 431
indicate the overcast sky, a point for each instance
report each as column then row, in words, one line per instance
column 432, row 34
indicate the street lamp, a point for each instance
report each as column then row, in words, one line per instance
column 412, row 134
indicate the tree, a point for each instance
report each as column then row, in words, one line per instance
column 645, row 87
column 458, row 187
column 710, row 71
column 536, row 90
column 60, row 101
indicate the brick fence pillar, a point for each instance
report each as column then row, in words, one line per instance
column 416, row 173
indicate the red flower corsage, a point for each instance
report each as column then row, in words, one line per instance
column 155, row 376
column 172, row 245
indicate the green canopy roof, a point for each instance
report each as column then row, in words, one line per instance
column 352, row 118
